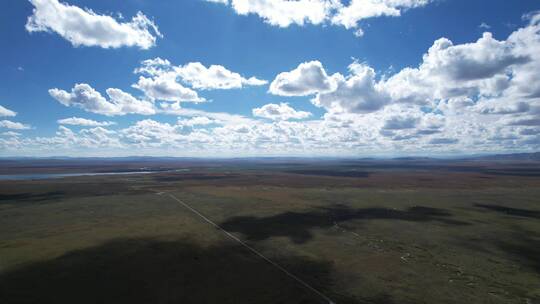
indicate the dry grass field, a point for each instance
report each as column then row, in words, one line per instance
column 355, row 231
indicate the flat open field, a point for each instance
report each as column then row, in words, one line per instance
column 396, row 231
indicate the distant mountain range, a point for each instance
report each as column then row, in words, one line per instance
column 514, row 156
column 535, row 156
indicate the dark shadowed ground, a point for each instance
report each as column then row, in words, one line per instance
column 298, row 226
column 159, row 271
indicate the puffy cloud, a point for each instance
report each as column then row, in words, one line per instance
column 283, row 13
column 94, row 141
column 280, row 111
column 405, row 122
column 400, row 123
column 525, row 80
column 127, row 104
column 502, row 107
column 98, row 137
column 471, row 61
column 149, row 132
column 357, row 10
column 434, row 107
column 6, row 112
column 389, row 130
column 83, row 141
column 77, row 121
column 214, row 77
column 163, row 74
column 154, row 67
column 165, row 87
column 217, row 117
column 307, row 79
column 451, row 71
column 161, row 80
column 8, row 124
column 83, row 96
column 497, row 77
column 358, row 93
column 85, row 27
column 197, row 121
column 478, row 96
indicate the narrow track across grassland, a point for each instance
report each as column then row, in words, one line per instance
column 256, row 252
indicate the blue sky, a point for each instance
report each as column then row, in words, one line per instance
column 318, row 88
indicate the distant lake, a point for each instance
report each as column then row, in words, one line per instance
column 62, row 175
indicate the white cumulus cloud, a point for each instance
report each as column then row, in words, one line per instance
column 196, row 121
column 83, row 27
column 283, row 13
column 307, row 79
column 213, row 77
column 85, row 97
column 357, row 10
column 165, row 87
column 194, row 74
column 6, row 112
column 8, row 124
column 439, row 105
column 357, row 93
column 280, row 111
column 496, row 76
column 78, row 121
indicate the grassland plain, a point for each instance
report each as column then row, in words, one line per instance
column 359, row 232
